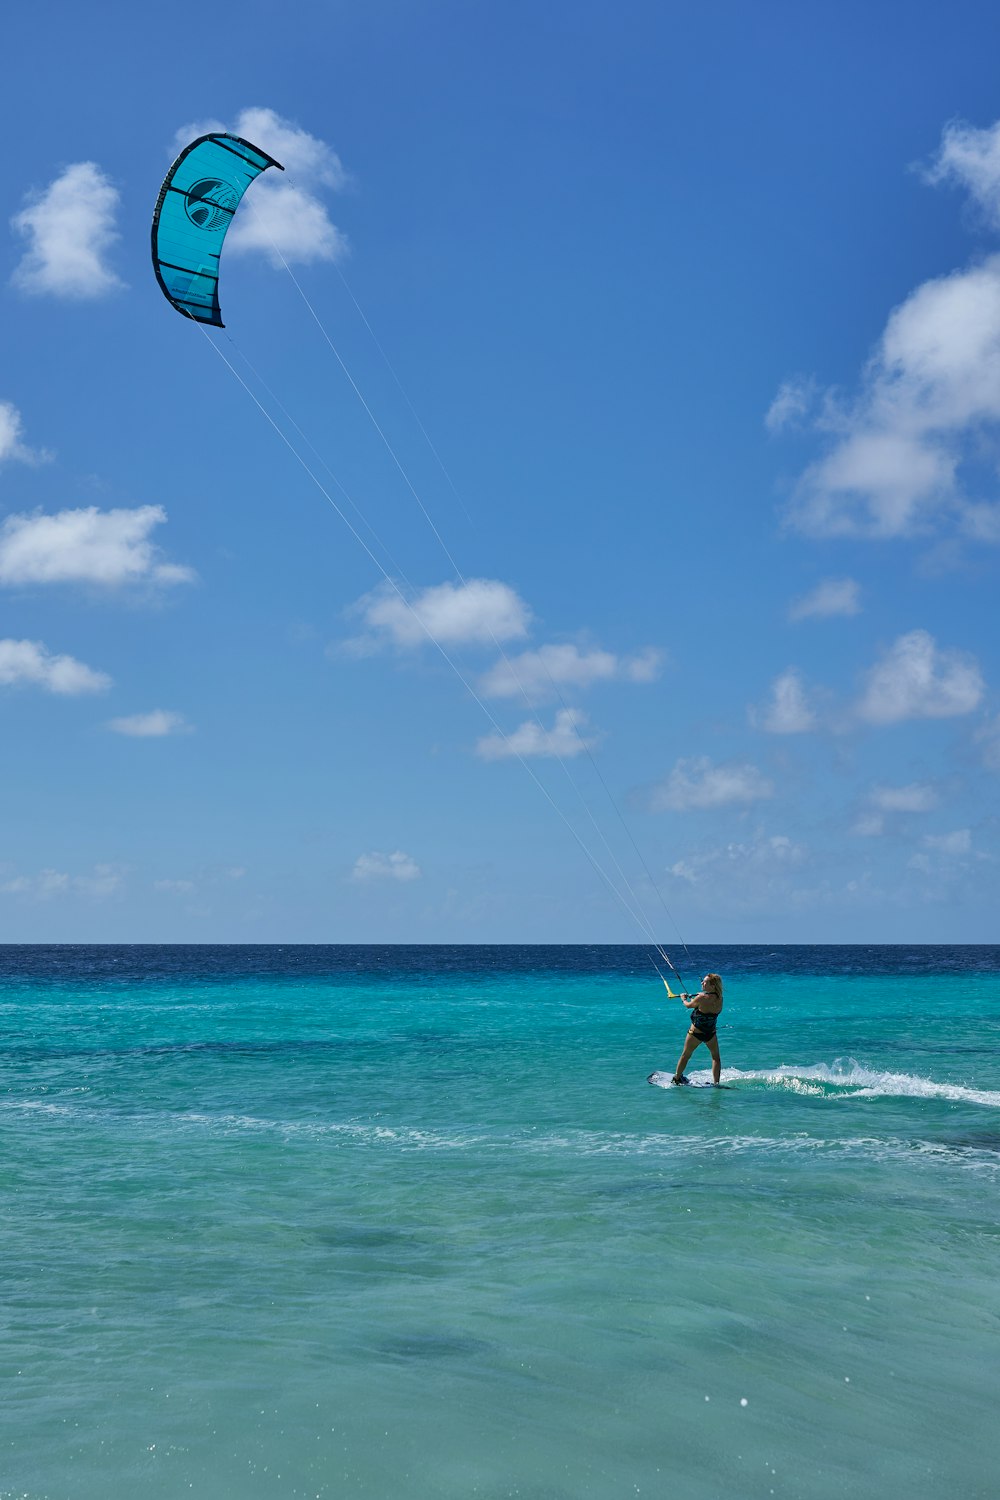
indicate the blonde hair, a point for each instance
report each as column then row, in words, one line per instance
column 713, row 984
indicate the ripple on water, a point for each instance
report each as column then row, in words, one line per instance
column 433, row 1346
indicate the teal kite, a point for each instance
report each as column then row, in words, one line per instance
column 199, row 196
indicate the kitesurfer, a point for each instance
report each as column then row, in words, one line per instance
column 704, row 1008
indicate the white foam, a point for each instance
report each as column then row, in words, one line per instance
column 848, row 1079
column 37, row 1106
column 404, row 1137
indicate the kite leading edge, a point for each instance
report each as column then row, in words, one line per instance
column 199, row 196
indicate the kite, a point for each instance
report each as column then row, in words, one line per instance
column 199, row 196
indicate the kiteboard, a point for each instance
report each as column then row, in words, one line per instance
column 663, row 1080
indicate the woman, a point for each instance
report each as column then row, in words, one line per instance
column 704, row 1008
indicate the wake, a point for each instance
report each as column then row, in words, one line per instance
column 847, row 1079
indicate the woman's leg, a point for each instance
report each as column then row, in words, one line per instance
column 713, row 1046
column 689, row 1046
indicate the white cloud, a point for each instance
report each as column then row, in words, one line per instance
column 945, row 854
column 479, row 612
column 154, row 725
column 41, row 886
column 834, row 596
column 11, row 445
column 108, row 548
column 915, row 679
column 876, row 484
column 766, row 855
column 928, row 394
column 70, row 228
column 174, row 887
column 376, row 866
column 790, row 405
column 758, row 874
column 287, row 223
column 295, row 148
column 103, row 881
column 564, row 740
column 917, row 797
column 30, row 662
column 971, row 158
column 696, row 783
column 788, row 712
column 540, row 674
column 281, row 218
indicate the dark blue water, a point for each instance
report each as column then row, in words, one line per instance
column 142, row 962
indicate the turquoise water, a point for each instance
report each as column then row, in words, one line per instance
column 384, row 1222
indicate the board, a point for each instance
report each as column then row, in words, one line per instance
column 662, row 1080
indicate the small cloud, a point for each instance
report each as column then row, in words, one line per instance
column 834, row 596
column 794, row 399
column 562, row 741
column 280, row 219
column 915, row 798
column 696, row 783
column 376, row 866
column 970, row 158
column 70, row 228
column 945, row 854
column 41, row 886
column 540, row 674
column 174, row 887
column 33, row 664
column 154, row 725
column 915, row 679
column 480, row 611
column 875, row 483
column 760, row 858
column 12, row 448
column 103, row 881
column 107, row 548
column 788, row 712
column 884, row 801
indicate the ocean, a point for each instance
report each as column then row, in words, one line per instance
column 410, row 1221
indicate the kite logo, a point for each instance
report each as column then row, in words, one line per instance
column 211, row 203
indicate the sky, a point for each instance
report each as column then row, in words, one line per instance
column 652, row 354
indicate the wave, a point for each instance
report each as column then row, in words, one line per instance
column 971, row 1153
column 848, row 1079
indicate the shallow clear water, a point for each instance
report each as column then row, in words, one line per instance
column 399, row 1221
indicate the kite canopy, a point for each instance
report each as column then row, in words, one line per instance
column 199, row 196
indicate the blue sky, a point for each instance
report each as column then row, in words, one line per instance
column 699, row 305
